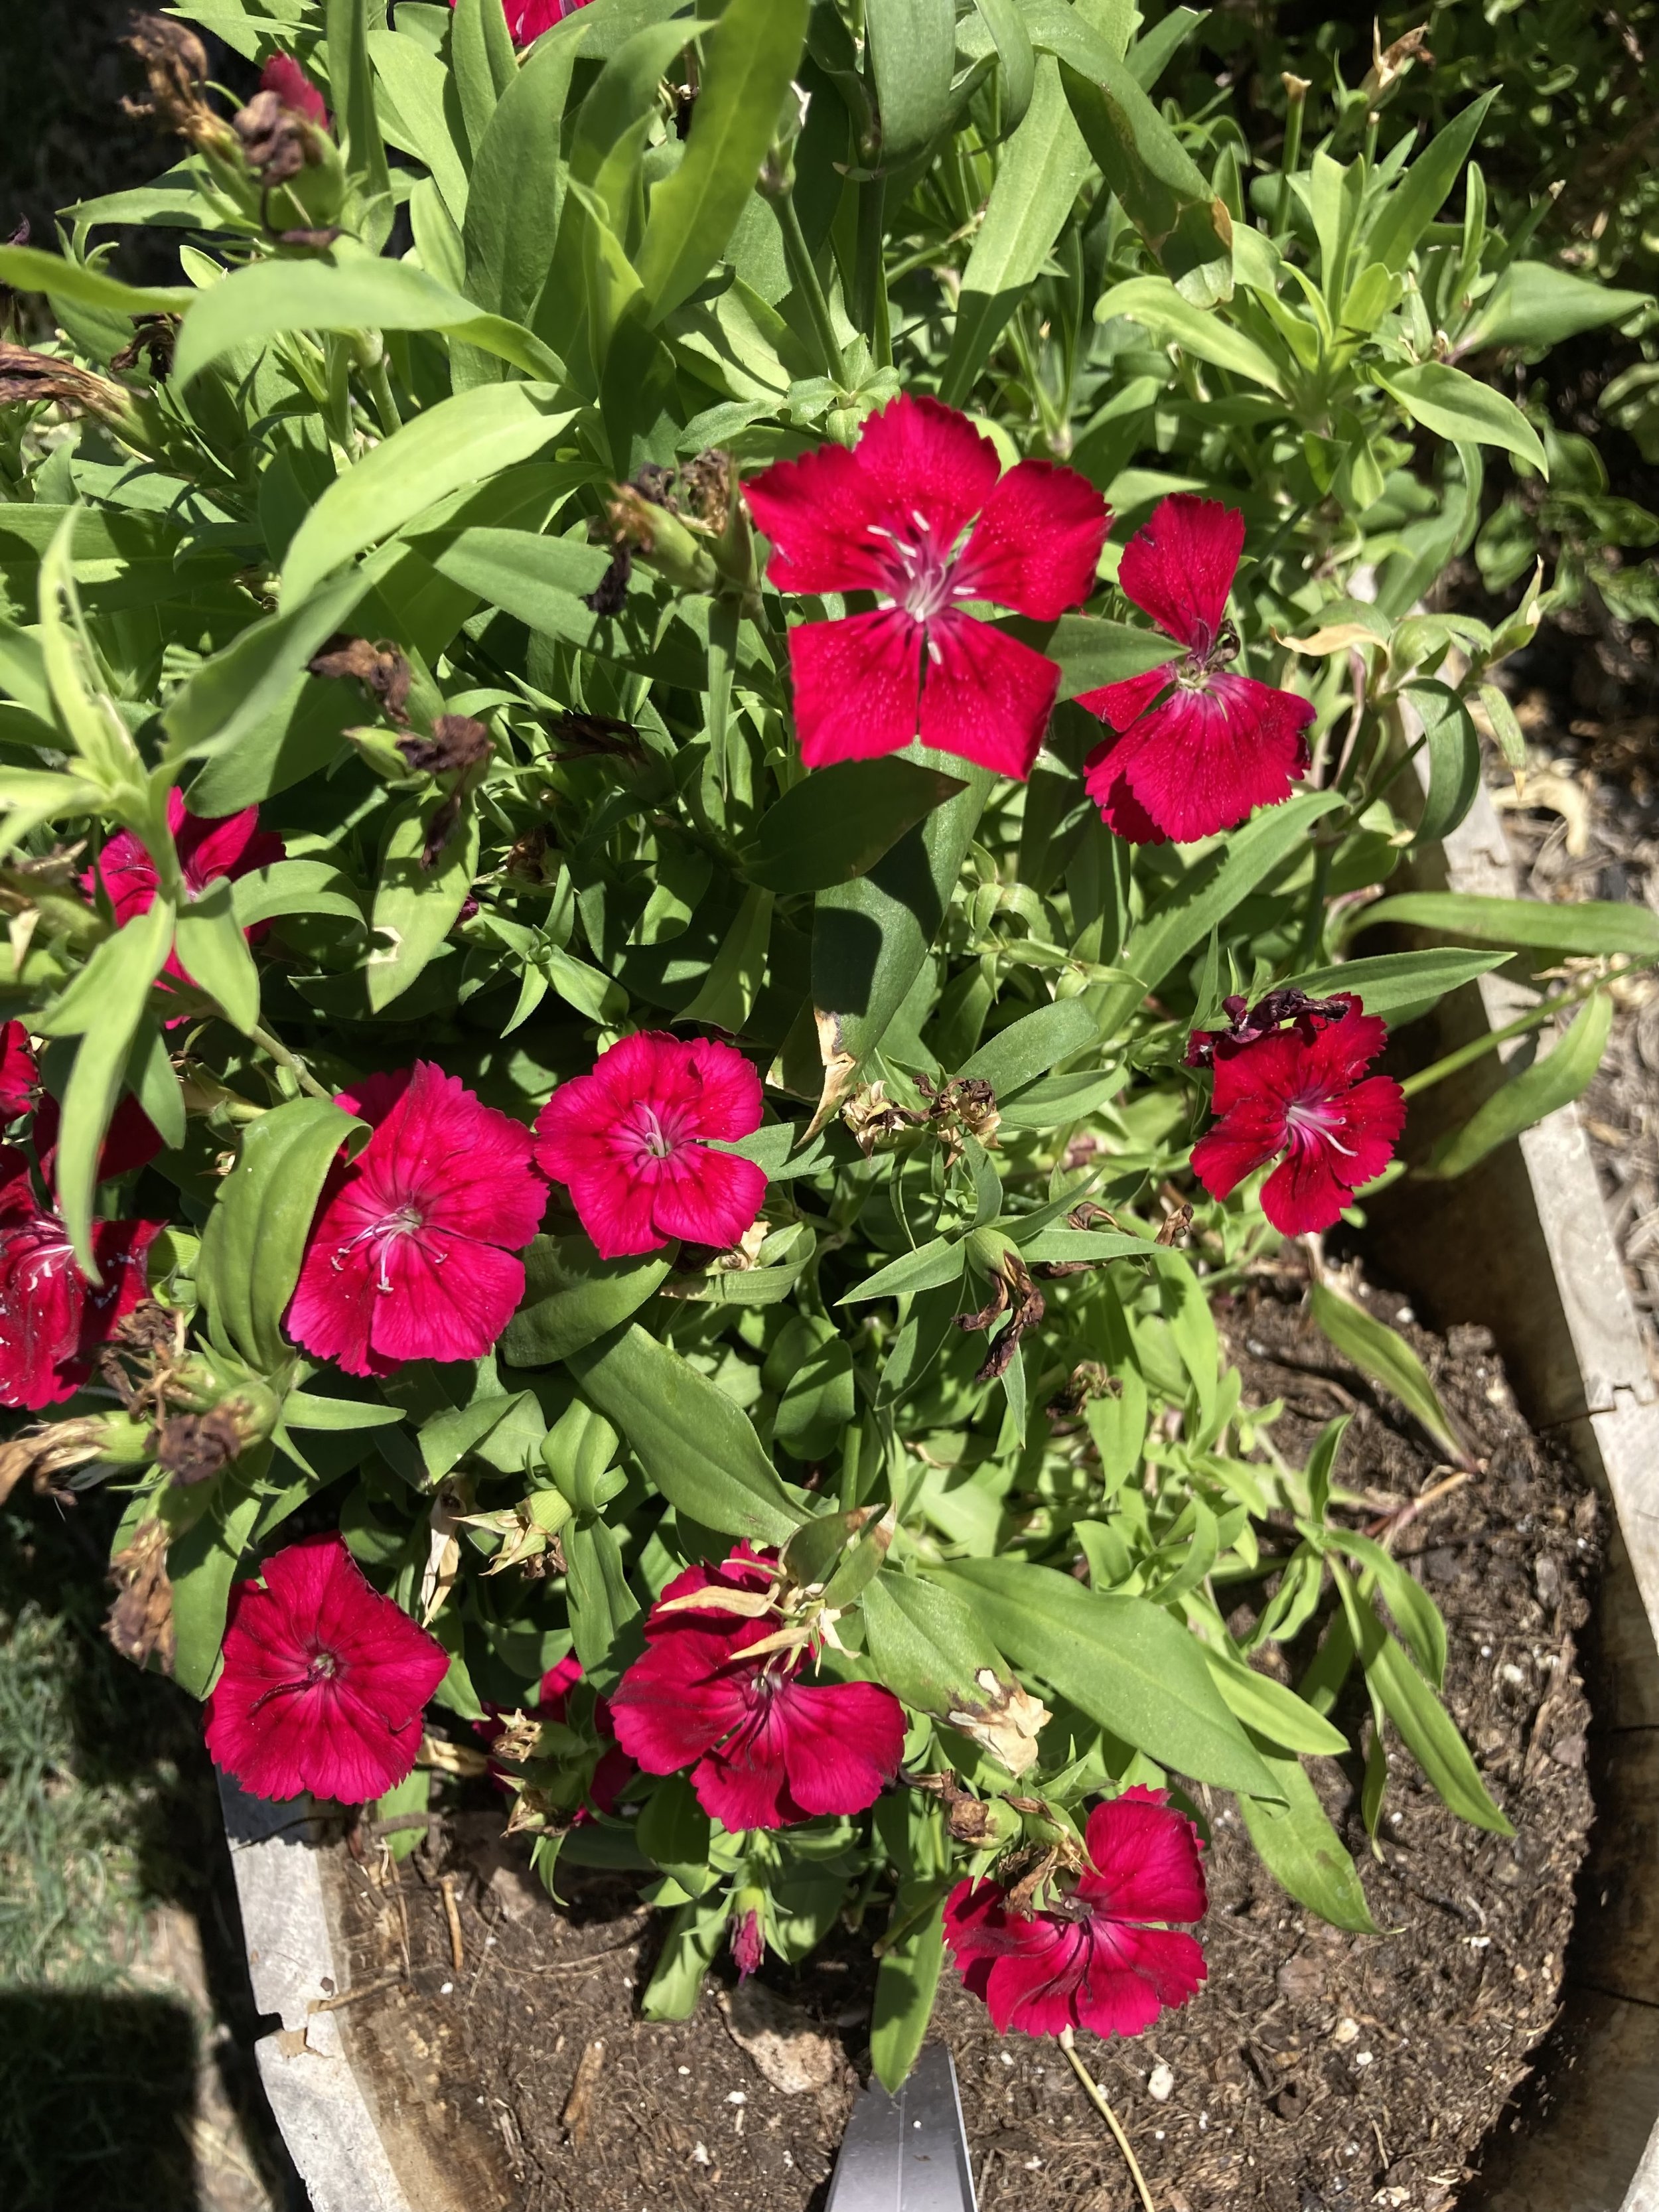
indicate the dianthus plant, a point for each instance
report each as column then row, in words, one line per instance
column 694, row 743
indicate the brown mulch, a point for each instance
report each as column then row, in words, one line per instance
column 1315, row 2070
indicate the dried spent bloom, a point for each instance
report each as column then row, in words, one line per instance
column 324, row 1680
column 1094, row 1955
column 613, row 1771
column 1309, row 1098
column 629, row 1141
column 765, row 1748
column 381, row 670
column 918, row 513
column 1198, row 748
column 1246, row 1023
column 30, row 378
column 176, row 70
column 413, row 1252
column 1013, row 1293
column 139, row 1623
column 456, row 742
column 52, row 1320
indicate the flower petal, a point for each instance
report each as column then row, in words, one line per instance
column 451, row 1298
column 1179, row 567
column 680, row 1698
column 857, row 686
column 1129, row 1979
column 932, row 469
column 1145, row 1859
column 985, row 695
column 1201, row 760
column 1036, row 545
column 841, row 1742
column 827, row 517
column 1118, row 705
column 706, row 1197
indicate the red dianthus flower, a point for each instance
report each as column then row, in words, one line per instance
column 1299, row 1092
column 629, row 1141
column 890, row 516
column 769, row 1749
column 52, row 1318
column 208, row 848
column 527, row 19
column 19, row 1077
column 1092, row 1959
column 1198, row 748
column 323, row 1680
column 413, row 1253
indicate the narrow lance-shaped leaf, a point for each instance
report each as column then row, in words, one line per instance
column 1384, row 1354
column 1563, row 1074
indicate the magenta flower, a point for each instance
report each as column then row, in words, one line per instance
column 1299, row 1092
column 891, row 518
column 629, row 1141
column 748, row 1941
column 208, row 848
column 412, row 1256
column 1095, row 1958
column 768, row 1749
column 1198, row 748
column 527, row 19
column 324, row 1682
column 52, row 1318
column 283, row 75
column 19, row 1077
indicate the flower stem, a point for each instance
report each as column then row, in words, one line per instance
column 296, row 1066
column 804, row 277
column 1092, row 2090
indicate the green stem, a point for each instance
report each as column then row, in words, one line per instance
column 385, row 406
column 296, row 1066
column 804, row 277
column 1544, row 1011
column 1313, row 919
column 1291, row 155
column 1091, row 2090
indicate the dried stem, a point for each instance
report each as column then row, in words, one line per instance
column 1092, row 2090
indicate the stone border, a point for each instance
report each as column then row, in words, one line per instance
column 1532, row 1254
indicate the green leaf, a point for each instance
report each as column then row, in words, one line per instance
column 1384, row 1354
column 906, row 1982
column 234, row 691
column 1091, row 653
column 153, row 1081
column 25, row 269
column 1414, row 1611
column 351, row 95
column 1041, row 169
column 417, row 81
column 202, row 1565
column 1271, row 1712
column 1155, row 304
column 454, row 445
column 272, row 296
column 738, row 969
column 485, row 65
column 416, row 906
column 1511, row 739
column 214, row 954
column 103, row 1006
column 303, row 1409
column 1584, row 927
column 256, row 1235
column 911, row 49
column 1453, row 745
column 1001, row 18
column 1302, row 1851
column 293, row 887
column 745, row 74
column 929, row 1267
column 871, row 936
column 1033, row 1045
column 1453, row 405
column 601, row 1603
column 1426, row 1727
column 1412, row 203
column 673, row 1830
column 929, row 1645
column 1157, row 184
column 699, row 1448
column 572, row 1297
column 1210, row 890
column 835, row 824
column 1398, row 986
column 1548, row 1084
column 517, row 192
column 1123, row 1661
column 1535, row 305
column 695, row 1935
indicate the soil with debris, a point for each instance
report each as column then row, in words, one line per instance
column 1315, row 2070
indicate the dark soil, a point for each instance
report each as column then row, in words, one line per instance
column 1315, row 2070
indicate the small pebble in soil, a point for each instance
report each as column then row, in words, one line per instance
column 1345, row 2031
column 1160, row 2083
